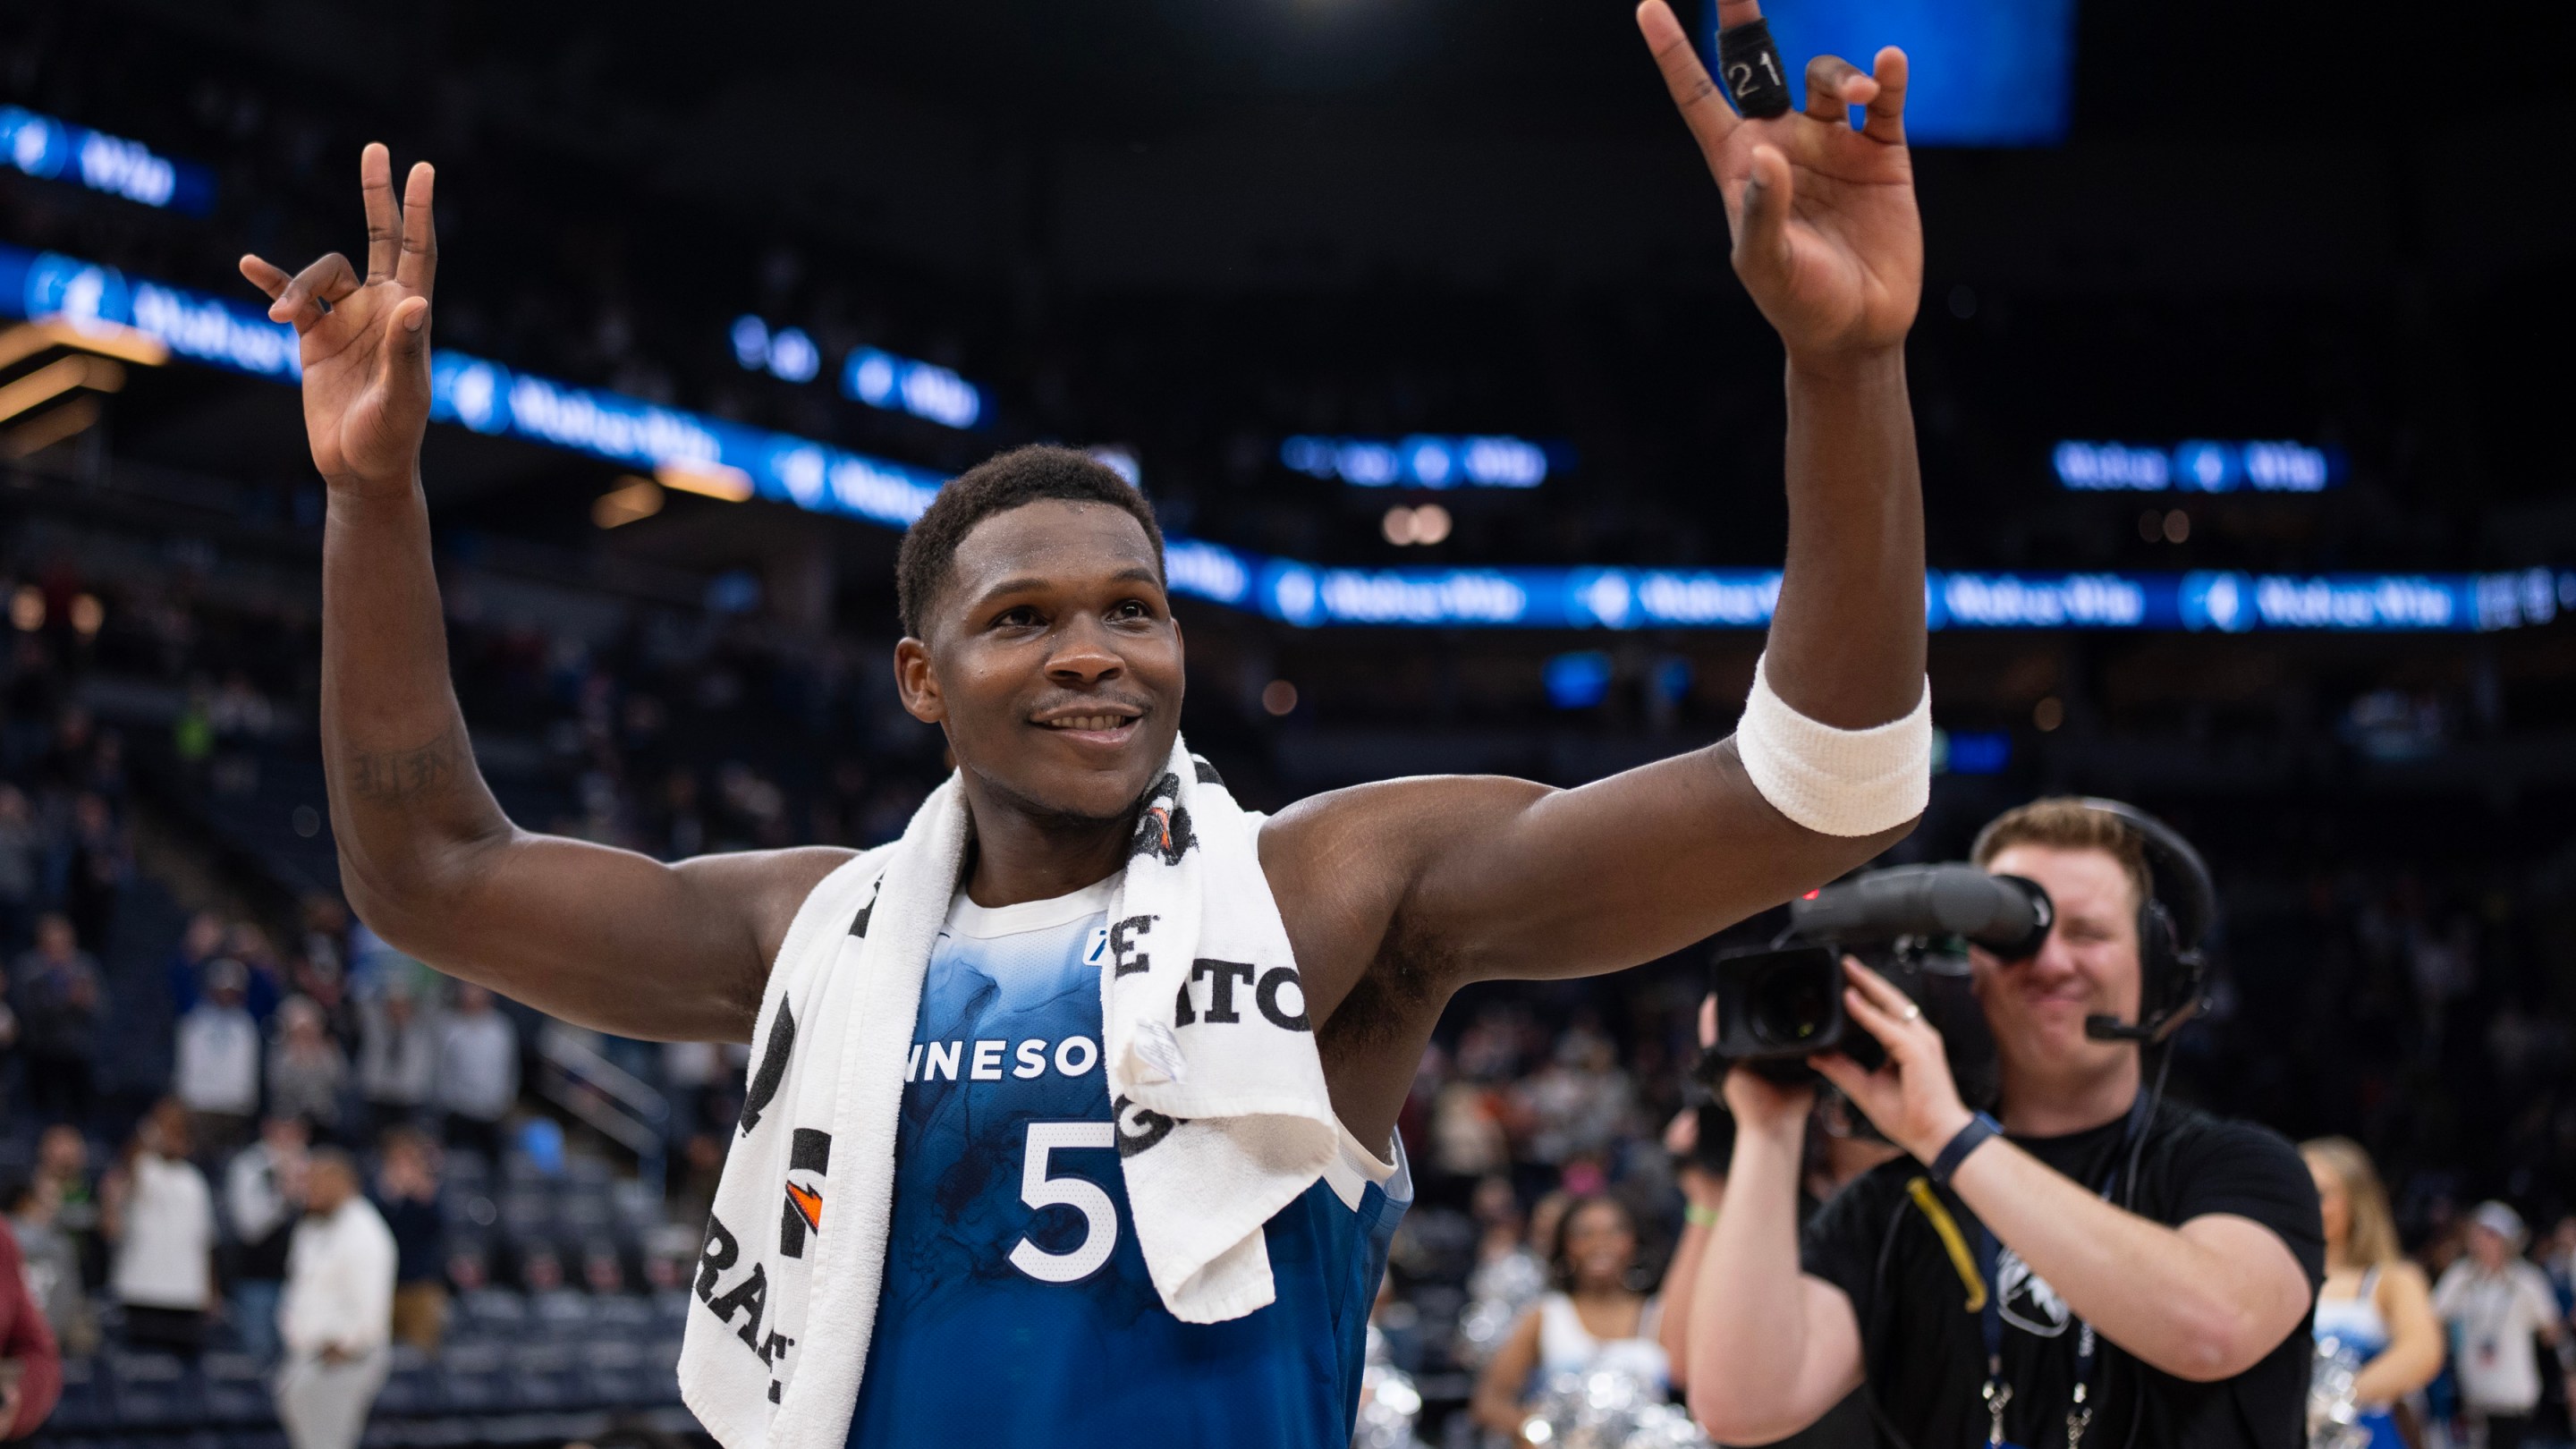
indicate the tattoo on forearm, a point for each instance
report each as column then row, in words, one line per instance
column 398, row 776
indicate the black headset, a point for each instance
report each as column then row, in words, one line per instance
column 2174, row 922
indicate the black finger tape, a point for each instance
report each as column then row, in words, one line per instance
column 1750, row 62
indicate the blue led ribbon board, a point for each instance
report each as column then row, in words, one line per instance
column 1426, row 462
column 53, row 150
column 2195, row 467
column 487, row 397
column 1983, row 72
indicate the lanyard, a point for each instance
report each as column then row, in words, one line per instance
column 1998, row 1394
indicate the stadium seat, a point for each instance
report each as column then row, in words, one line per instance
column 638, row 1206
column 671, row 1308
column 155, row 1391
column 616, row 1373
column 411, row 1385
column 85, row 1407
column 434, row 1433
column 585, row 1214
column 474, row 1379
column 238, row 1391
column 662, row 1372
column 560, row 1313
column 499, row 1313
column 546, row 1379
column 623, row 1316
column 528, row 1216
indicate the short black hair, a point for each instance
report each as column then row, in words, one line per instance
column 997, row 485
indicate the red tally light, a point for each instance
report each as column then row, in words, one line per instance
column 1811, row 895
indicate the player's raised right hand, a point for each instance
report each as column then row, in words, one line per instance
column 1827, row 240
column 365, row 344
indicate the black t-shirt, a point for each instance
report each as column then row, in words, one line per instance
column 1924, row 1354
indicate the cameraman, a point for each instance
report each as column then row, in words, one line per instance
column 2194, row 1292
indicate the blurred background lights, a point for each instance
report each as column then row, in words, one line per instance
column 1426, row 525
column 1578, row 680
column 638, row 498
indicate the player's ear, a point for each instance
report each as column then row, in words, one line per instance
column 916, row 684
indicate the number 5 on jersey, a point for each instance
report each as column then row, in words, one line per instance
column 1041, row 1190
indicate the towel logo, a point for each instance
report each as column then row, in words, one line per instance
column 859, row 924
column 750, row 1297
column 773, row 1067
column 808, row 1157
column 1164, row 829
column 1139, row 1127
column 1277, row 994
column 1124, row 957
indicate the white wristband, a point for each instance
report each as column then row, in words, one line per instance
column 1835, row 781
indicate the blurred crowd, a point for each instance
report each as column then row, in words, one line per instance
column 2370, row 988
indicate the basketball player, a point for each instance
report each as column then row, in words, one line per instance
column 1040, row 638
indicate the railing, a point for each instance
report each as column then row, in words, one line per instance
column 605, row 1096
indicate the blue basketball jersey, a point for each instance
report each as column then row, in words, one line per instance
column 1016, row 1308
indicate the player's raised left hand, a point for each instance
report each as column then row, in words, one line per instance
column 365, row 340
column 1826, row 235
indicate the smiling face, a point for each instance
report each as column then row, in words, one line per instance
column 1600, row 1246
column 1052, row 661
column 2087, row 967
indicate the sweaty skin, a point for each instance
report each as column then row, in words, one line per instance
column 1395, row 894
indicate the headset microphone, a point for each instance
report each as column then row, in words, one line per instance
column 2102, row 1026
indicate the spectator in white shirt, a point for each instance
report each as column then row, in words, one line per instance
column 478, row 1071
column 2496, row 1304
column 337, row 1317
column 397, row 1056
column 263, row 1192
column 217, row 1065
column 161, row 1217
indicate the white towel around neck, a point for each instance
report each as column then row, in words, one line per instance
column 1222, row 1118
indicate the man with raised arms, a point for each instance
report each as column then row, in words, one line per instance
column 1014, row 1305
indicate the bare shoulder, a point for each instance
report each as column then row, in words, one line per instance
column 1389, row 813
column 1342, row 864
column 1370, row 838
